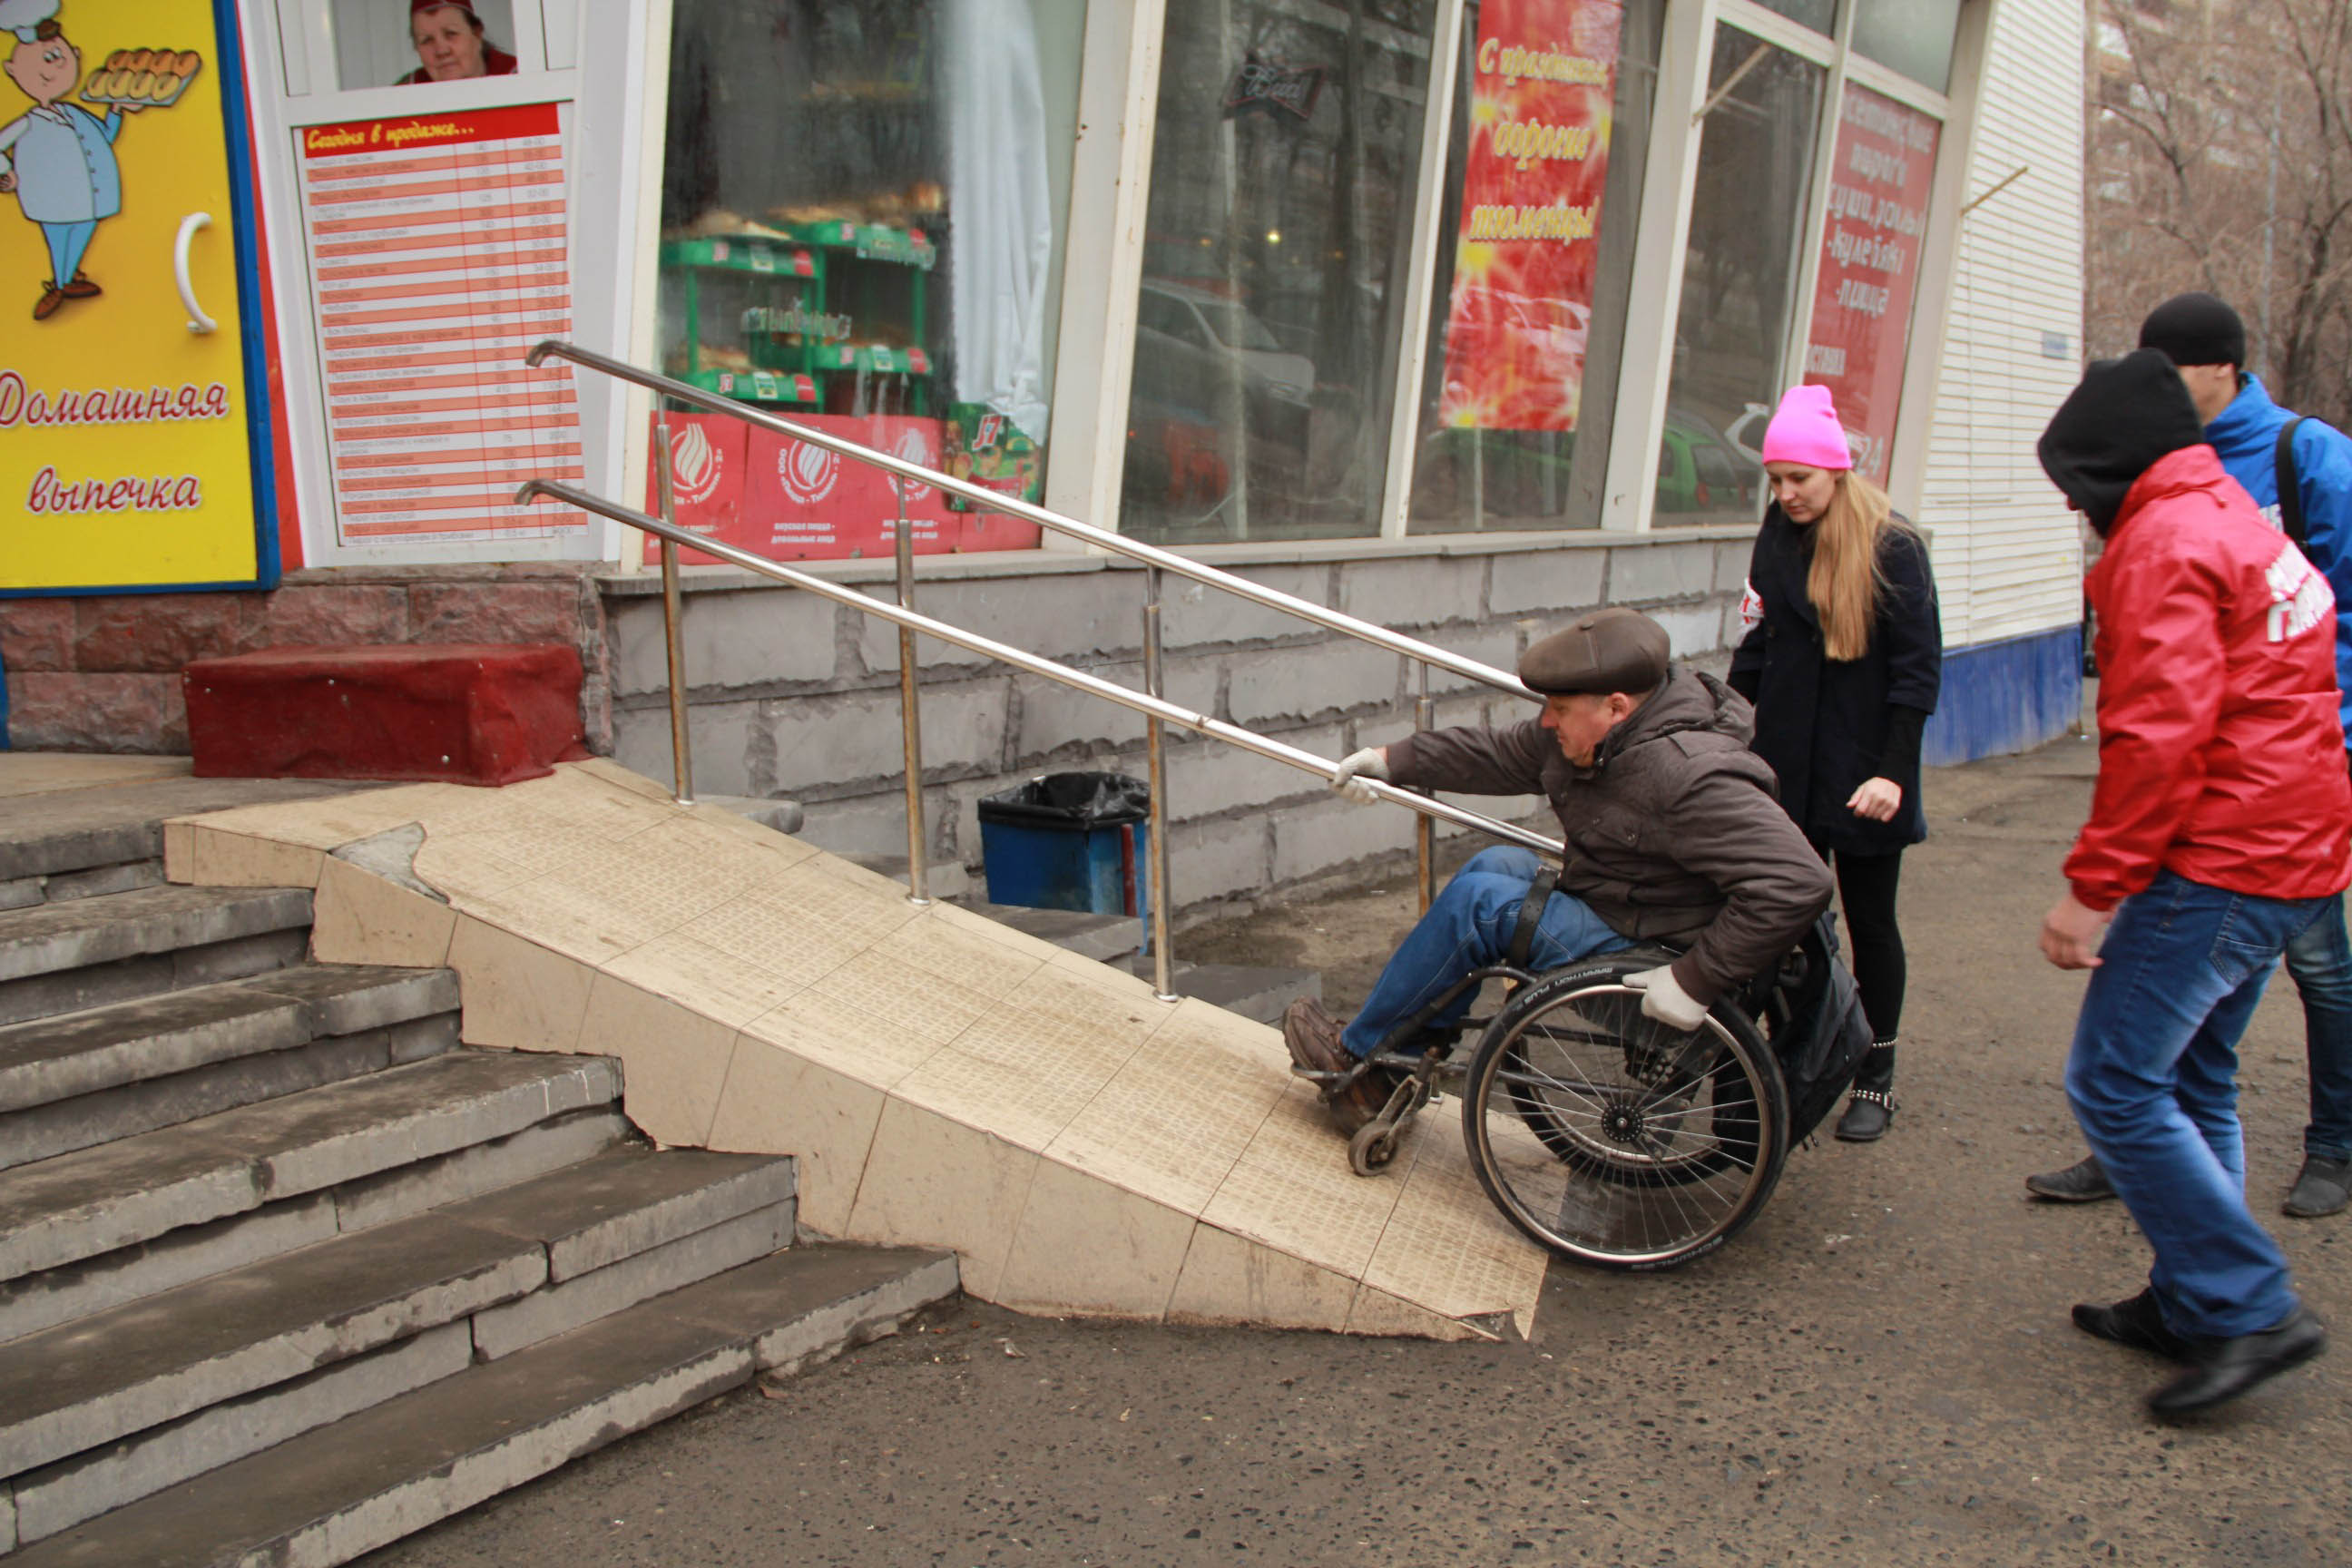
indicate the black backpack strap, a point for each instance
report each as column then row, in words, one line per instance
column 2290, row 486
column 1531, row 910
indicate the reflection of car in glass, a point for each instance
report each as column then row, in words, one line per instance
column 1190, row 344
column 1700, row 471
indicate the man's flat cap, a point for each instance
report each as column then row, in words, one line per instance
column 1608, row 650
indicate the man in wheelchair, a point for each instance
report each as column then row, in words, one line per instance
column 1673, row 835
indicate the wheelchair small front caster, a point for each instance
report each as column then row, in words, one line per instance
column 1373, row 1146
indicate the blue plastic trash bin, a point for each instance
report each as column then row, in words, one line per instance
column 1069, row 841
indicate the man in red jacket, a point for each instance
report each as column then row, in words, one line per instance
column 2218, row 830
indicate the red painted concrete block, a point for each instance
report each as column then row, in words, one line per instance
column 476, row 713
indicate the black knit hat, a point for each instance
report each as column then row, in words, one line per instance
column 2127, row 413
column 2195, row 328
column 1616, row 649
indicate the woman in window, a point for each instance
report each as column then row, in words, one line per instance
column 450, row 45
column 1842, row 657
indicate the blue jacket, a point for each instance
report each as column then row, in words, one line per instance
column 2246, row 437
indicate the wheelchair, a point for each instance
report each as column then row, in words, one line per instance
column 1607, row 1137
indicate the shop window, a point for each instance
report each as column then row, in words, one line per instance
column 1739, row 275
column 1283, row 165
column 864, row 204
column 1880, row 172
column 1911, row 38
column 1535, row 262
column 382, row 43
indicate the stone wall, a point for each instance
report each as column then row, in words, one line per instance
column 794, row 696
column 102, row 672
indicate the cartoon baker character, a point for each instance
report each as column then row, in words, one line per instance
column 61, row 156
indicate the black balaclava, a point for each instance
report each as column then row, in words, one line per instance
column 2127, row 413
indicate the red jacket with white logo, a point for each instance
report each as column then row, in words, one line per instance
column 2221, row 751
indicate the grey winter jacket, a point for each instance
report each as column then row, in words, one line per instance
column 1673, row 834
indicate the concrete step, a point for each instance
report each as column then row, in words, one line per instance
column 37, row 1302
column 942, row 879
column 1248, row 989
column 523, row 1264
column 89, row 953
column 1104, row 938
column 414, row 1460
column 113, row 1072
column 76, row 839
column 122, row 877
column 93, row 1201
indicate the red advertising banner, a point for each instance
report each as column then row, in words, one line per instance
column 1543, row 79
column 1884, row 168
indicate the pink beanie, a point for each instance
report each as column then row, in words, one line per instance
column 1805, row 429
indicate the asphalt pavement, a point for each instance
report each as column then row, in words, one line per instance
column 1880, row 1370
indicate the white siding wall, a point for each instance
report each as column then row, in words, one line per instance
column 2007, row 553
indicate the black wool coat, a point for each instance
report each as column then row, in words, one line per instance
column 1825, row 724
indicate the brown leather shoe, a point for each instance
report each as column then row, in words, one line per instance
column 1313, row 1037
column 81, row 288
column 53, row 298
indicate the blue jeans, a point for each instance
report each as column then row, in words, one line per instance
column 2320, row 961
column 1468, row 926
column 2153, row 1080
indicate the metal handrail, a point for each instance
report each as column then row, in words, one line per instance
column 1012, row 506
column 1035, row 664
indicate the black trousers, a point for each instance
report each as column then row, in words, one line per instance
column 1866, row 887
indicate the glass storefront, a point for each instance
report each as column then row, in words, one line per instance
column 1535, row 262
column 1285, row 160
column 863, row 207
column 1748, row 238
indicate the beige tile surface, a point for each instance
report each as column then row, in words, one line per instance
column 930, row 1182
column 863, row 1019
column 516, row 995
column 802, row 925
column 221, row 859
column 1378, row 1312
column 466, row 865
column 360, row 917
column 333, row 821
column 604, row 770
column 713, row 983
column 935, row 952
column 779, row 1103
column 1086, row 1245
column 1229, row 1278
column 1445, row 1245
column 673, row 1060
column 1174, row 1119
column 1292, row 1190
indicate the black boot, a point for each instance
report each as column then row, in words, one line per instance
column 1868, row 1113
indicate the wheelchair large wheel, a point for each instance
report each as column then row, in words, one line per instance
column 1614, row 1139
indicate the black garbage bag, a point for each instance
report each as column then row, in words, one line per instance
column 1070, row 803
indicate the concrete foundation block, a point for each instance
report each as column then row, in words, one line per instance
column 1219, row 859
column 1426, row 591
column 1061, row 616
column 1209, row 777
column 1055, row 719
column 1695, row 629
column 831, row 741
column 1497, row 647
column 1302, row 684
column 1643, row 573
column 720, row 739
column 1311, row 840
column 756, row 637
column 1194, row 615
column 1731, row 559
column 1547, row 582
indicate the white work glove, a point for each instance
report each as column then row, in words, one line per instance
column 1371, row 762
column 1664, row 998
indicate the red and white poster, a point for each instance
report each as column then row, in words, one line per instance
column 1543, row 78
column 437, row 258
column 1884, row 168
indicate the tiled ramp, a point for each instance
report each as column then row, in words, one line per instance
column 944, row 1081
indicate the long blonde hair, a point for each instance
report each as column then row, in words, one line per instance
column 1846, row 578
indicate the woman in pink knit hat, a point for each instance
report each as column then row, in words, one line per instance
column 1842, row 657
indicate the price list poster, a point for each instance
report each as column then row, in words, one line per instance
column 437, row 258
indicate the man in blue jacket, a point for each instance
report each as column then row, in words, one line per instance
column 2207, row 343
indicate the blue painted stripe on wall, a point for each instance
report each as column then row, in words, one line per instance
column 2004, row 697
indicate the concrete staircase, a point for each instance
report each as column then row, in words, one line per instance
column 286, row 1272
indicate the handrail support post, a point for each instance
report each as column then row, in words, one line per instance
column 1155, row 747
column 673, row 620
column 919, row 870
column 1425, row 834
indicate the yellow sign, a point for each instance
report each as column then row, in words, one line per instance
column 125, row 453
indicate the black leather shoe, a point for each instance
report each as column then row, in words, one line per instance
column 2137, row 1323
column 2220, row 1369
column 2085, row 1182
column 2322, row 1187
column 1866, row 1117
